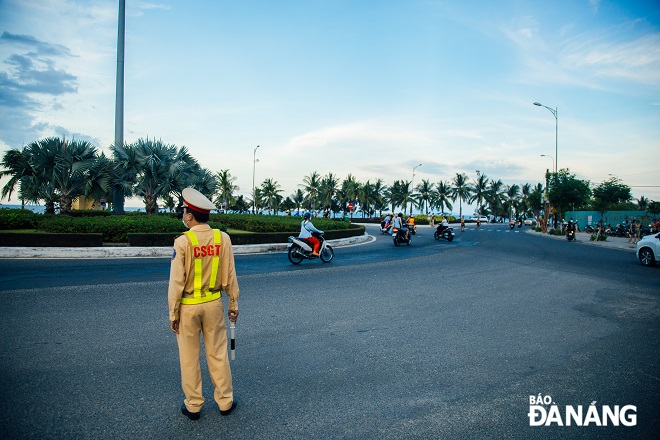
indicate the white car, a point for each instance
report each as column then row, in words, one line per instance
column 482, row 218
column 648, row 249
column 529, row 221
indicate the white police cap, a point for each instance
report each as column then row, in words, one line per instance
column 195, row 200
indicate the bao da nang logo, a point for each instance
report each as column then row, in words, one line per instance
column 543, row 411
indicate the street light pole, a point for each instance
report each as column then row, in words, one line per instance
column 412, row 186
column 254, row 166
column 554, row 113
column 554, row 167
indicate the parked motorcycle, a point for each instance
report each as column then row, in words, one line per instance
column 447, row 234
column 401, row 237
column 299, row 250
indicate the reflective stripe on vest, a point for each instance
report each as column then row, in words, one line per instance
column 198, row 298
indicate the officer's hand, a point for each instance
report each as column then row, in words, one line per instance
column 233, row 315
column 174, row 326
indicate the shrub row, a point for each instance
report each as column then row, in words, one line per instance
column 18, row 219
column 114, row 229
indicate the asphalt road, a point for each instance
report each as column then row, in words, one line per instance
column 432, row 340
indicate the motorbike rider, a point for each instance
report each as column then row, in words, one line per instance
column 462, row 223
column 443, row 225
column 386, row 221
column 570, row 227
column 400, row 225
column 410, row 223
column 306, row 229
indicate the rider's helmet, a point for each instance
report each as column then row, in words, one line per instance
column 307, row 215
column 399, row 215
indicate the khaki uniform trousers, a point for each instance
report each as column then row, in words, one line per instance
column 209, row 319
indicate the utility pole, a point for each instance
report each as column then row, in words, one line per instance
column 118, row 195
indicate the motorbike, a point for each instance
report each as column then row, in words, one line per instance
column 299, row 250
column 512, row 224
column 520, row 223
column 447, row 234
column 570, row 234
column 399, row 237
column 385, row 228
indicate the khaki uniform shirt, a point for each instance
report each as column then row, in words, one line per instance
column 182, row 270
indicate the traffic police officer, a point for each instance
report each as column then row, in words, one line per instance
column 202, row 266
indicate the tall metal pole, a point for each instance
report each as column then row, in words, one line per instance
column 554, row 167
column 118, row 196
column 254, row 166
column 554, row 112
column 412, row 184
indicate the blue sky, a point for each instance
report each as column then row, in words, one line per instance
column 371, row 88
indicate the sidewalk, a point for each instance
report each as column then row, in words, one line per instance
column 151, row 252
column 584, row 238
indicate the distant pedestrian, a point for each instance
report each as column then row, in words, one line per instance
column 432, row 220
column 638, row 230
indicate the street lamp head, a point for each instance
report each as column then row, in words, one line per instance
column 538, row 103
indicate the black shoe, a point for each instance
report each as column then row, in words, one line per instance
column 228, row 411
column 190, row 415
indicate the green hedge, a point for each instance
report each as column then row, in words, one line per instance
column 114, row 228
column 89, row 213
column 18, row 219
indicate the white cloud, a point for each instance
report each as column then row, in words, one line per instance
column 636, row 60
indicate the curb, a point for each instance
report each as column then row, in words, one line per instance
column 619, row 243
column 154, row 252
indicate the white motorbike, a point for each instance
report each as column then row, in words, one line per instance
column 299, row 250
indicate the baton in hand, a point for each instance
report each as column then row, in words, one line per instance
column 232, row 346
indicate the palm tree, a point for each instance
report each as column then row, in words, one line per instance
column 257, row 198
column 525, row 191
column 512, row 193
column 165, row 169
column 397, row 194
column 328, row 190
column 494, row 197
column 17, row 165
column 97, row 185
column 240, row 205
column 226, row 188
column 350, row 189
column 425, row 192
column 271, row 192
column 367, row 198
column 642, row 203
column 61, row 169
column 535, row 198
column 379, row 193
column 442, row 196
column 124, row 173
column 479, row 189
column 311, row 185
column 460, row 190
column 298, row 198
